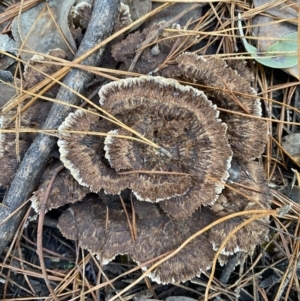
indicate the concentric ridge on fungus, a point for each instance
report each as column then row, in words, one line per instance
column 178, row 118
column 246, row 136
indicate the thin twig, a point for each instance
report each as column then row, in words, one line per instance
column 42, row 213
column 128, row 219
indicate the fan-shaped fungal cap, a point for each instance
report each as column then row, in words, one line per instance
column 124, row 17
column 249, row 191
column 179, row 119
column 125, row 51
column 150, row 58
column 80, row 15
column 125, row 155
column 8, row 156
column 246, row 136
column 240, row 66
column 9, row 161
column 84, row 155
column 34, row 67
column 32, row 118
column 65, row 189
column 105, row 232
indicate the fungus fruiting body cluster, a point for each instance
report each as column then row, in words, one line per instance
column 180, row 178
column 187, row 156
column 179, row 119
column 172, row 146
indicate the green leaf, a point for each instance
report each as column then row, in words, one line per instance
column 282, row 54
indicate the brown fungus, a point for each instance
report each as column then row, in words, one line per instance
column 247, row 136
column 240, row 66
column 151, row 56
column 32, row 118
column 229, row 88
column 124, row 17
column 104, row 231
column 80, row 15
column 249, row 191
column 34, row 67
column 9, row 158
column 65, row 189
column 185, row 172
column 9, row 161
column 178, row 118
column 84, row 155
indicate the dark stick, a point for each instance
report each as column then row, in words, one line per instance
column 36, row 158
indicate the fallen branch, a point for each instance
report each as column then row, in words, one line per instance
column 36, row 158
